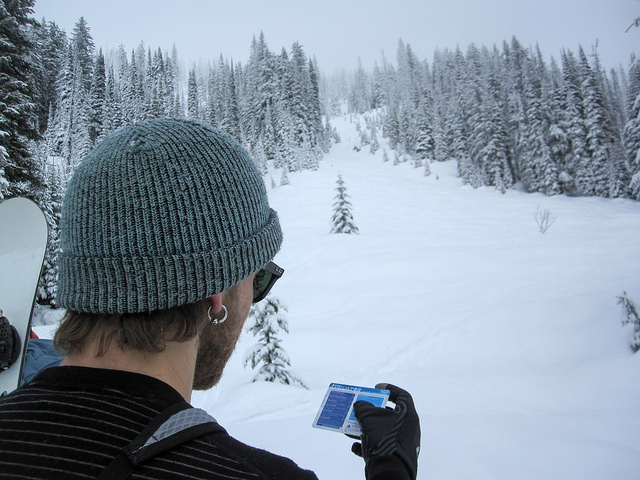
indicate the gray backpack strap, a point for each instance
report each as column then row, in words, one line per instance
column 174, row 426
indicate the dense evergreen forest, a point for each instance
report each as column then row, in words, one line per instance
column 509, row 117
column 506, row 115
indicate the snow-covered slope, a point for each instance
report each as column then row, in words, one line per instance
column 509, row 340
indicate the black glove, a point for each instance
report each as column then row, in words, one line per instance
column 389, row 434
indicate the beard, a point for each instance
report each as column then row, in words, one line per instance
column 217, row 342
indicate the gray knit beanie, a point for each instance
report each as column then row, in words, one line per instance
column 162, row 213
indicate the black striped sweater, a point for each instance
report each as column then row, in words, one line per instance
column 70, row 422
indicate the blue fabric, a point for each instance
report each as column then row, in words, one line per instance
column 40, row 355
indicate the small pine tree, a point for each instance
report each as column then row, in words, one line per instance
column 269, row 319
column 342, row 218
column 631, row 315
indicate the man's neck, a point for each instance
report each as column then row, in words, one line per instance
column 175, row 365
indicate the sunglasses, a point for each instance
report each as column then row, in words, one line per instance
column 264, row 280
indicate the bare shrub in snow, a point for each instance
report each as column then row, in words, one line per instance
column 544, row 219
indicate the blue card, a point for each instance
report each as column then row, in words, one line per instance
column 336, row 410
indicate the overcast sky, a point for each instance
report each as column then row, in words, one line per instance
column 341, row 32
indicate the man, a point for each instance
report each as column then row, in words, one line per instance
column 167, row 239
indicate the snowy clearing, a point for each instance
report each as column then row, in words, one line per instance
column 510, row 340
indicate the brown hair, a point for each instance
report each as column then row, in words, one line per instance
column 148, row 332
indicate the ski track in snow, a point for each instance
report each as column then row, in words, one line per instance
column 509, row 340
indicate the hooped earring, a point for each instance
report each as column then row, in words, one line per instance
column 218, row 321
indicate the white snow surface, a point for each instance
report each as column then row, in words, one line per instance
column 509, row 340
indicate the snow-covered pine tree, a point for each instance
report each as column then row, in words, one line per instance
column 468, row 172
column 97, row 94
column 193, row 110
column 112, row 112
column 127, row 78
column 575, row 126
column 51, row 42
column 360, row 93
column 259, row 157
column 80, row 138
column 83, row 48
column 259, row 88
column 378, row 93
column 18, row 115
column 231, row 118
column 268, row 139
column 156, row 89
column 597, row 131
column 215, row 108
column 308, row 156
column 282, row 143
column 268, row 320
column 320, row 142
column 51, row 204
column 375, row 145
column 4, row 183
column 558, row 138
column 631, row 316
column 489, row 148
column 342, row 219
column 632, row 129
column 391, row 125
column 70, row 126
column 538, row 172
column 425, row 143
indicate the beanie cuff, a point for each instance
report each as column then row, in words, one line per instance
column 146, row 284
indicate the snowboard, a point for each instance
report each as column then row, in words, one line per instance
column 23, row 242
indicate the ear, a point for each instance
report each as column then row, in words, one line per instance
column 216, row 303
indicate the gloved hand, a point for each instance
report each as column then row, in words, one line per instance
column 389, row 433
